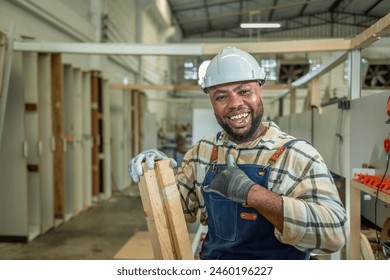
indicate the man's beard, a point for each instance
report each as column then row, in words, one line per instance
column 255, row 123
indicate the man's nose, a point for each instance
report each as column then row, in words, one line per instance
column 235, row 101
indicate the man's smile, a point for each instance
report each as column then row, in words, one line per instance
column 239, row 121
column 239, row 116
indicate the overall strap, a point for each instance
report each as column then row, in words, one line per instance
column 214, row 154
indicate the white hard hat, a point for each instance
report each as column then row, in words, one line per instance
column 232, row 65
column 202, row 71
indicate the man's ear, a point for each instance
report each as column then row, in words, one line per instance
column 261, row 93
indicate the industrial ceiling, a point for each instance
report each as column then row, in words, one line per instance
column 220, row 19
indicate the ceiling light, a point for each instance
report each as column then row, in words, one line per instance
column 260, row 25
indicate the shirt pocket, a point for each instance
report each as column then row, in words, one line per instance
column 224, row 213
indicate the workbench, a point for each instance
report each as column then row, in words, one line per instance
column 355, row 216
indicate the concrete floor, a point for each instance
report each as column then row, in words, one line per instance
column 97, row 233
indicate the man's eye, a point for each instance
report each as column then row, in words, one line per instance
column 220, row 98
column 245, row 91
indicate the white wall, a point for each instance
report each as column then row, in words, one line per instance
column 363, row 130
column 368, row 131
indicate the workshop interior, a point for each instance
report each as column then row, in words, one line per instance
column 85, row 85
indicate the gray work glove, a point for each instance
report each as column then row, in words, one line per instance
column 231, row 182
column 149, row 156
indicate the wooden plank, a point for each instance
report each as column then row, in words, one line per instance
column 155, row 216
column 292, row 46
column 58, row 134
column 315, row 92
column 174, row 210
column 372, row 191
column 353, row 244
column 372, row 34
column 185, row 49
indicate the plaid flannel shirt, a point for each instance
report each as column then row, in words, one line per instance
column 314, row 217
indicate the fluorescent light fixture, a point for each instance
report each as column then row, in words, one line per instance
column 260, row 25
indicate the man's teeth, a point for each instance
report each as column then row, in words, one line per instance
column 239, row 116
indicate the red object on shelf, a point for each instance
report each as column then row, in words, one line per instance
column 373, row 182
column 387, row 145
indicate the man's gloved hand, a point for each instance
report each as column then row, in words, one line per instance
column 231, row 182
column 149, row 156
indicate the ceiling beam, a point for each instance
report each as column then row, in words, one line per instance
column 302, row 11
column 334, row 6
column 367, row 37
column 184, row 49
column 284, row 46
column 206, row 7
column 372, row 34
column 240, row 17
column 372, row 7
column 271, row 12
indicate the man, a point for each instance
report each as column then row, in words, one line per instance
column 262, row 193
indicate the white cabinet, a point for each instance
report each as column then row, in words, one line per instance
column 45, row 153
column 20, row 152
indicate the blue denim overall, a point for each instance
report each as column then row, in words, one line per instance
column 236, row 232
